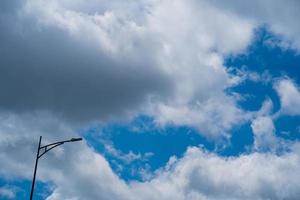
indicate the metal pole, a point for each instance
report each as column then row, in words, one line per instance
column 35, row 168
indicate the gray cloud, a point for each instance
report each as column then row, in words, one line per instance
column 82, row 65
column 42, row 68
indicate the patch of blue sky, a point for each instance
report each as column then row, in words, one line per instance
column 142, row 136
column 264, row 55
column 288, row 127
column 254, row 94
column 241, row 141
column 22, row 188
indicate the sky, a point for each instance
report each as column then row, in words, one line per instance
column 174, row 99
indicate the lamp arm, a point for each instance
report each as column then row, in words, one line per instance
column 61, row 142
column 51, row 147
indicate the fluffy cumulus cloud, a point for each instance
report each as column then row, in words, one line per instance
column 116, row 60
column 67, row 63
column 289, row 94
column 198, row 175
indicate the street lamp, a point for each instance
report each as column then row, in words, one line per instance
column 44, row 149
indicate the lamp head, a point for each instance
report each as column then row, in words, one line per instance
column 75, row 139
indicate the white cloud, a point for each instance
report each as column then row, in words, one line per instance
column 289, row 94
column 281, row 17
column 266, row 108
column 7, row 192
column 264, row 133
column 213, row 117
column 199, row 175
column 127, row 158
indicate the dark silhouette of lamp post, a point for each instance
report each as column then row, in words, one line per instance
column 41, row 151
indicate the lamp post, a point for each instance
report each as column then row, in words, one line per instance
column 41, row 151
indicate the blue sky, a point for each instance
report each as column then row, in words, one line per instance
column 165, row 95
